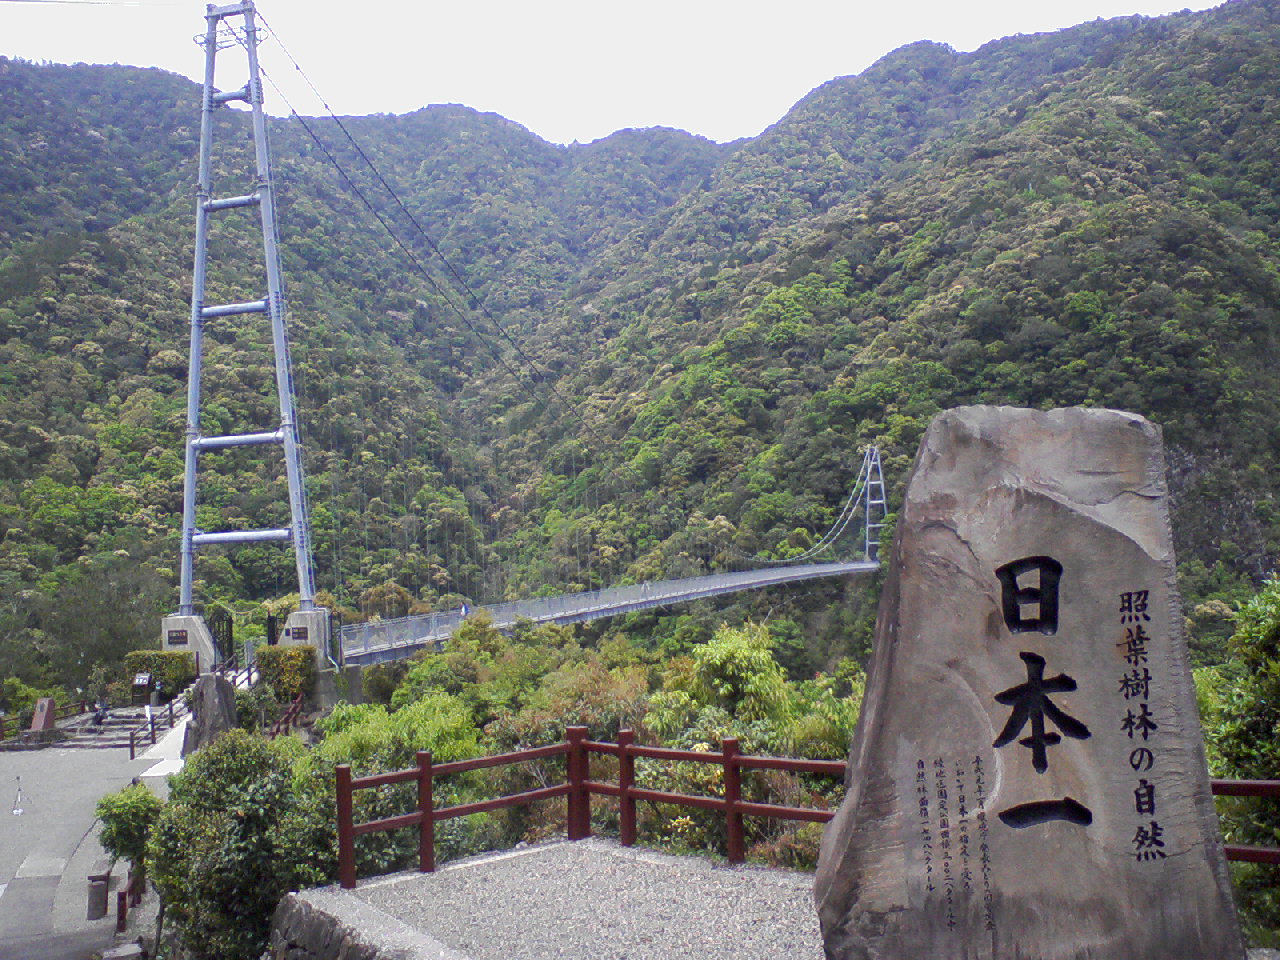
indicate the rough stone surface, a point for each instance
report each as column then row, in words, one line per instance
column 1127, row 865
column 334, row 924
column 45, row 716
column 213, row 712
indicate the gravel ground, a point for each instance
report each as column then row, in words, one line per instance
column 595, row 900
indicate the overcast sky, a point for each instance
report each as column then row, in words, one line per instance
column 566, row 69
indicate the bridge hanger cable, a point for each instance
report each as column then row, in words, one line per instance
column 824, row 543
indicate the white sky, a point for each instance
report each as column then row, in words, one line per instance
column 566, row 69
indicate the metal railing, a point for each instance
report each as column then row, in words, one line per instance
column 391, row 639
column 147, row 729
column 579, row 788
column 286, row 721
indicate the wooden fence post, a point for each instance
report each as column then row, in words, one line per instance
column 733, row 796
column 426, row 809
column 346, row 830
column 626, row 780
column 122, row 911
column 578, row 826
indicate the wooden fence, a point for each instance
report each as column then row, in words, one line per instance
column 73, row 709
column 579, row 789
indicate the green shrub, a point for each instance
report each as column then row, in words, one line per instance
column 381, row 679
column 371, row 740
column 127, row 818
column 239, row 832
column 1245, row 695
column 175, row 669
column 289, row 670
column 20, row 699
column 257, row 708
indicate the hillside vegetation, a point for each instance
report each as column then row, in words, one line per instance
column 707, row 334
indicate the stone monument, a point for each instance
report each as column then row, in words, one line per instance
column 213, row 712
column 45, row 715
column 1028, row 779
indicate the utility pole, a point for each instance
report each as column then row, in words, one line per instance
column 186, row 629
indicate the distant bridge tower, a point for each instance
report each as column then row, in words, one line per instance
column 186, row 629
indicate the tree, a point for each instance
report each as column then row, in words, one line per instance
column 108, row 605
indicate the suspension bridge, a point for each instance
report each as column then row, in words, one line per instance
column 382, row 640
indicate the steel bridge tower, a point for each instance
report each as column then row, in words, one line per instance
column 186, row 629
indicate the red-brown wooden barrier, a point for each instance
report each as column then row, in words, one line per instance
column 1249, row 788
column 286, row 721
column 579, row 788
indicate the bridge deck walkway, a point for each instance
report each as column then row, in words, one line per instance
column 378, row 641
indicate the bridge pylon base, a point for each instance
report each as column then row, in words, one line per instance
column 189, row 634
column 309, row 628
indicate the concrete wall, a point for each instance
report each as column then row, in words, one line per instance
column 334, row 685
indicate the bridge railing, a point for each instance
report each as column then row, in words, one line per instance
column 566, row 608
column 578, row 788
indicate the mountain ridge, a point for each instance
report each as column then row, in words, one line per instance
column 1089, row 216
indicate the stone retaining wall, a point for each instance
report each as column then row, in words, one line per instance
column 301, row 931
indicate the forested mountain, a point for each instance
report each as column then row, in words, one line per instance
column 666, row 350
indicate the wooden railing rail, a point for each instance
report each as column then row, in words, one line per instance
column 579, row 789
column 11, row 727
column 287, row 719
column 1249, row 788
column 73, row 709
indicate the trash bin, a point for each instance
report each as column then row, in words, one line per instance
column 98, row 884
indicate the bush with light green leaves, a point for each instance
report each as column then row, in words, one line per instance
column 127, row 818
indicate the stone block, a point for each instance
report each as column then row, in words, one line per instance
column 1028, row 778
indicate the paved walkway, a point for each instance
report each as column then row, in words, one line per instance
column 48, row 851
column 585, row 900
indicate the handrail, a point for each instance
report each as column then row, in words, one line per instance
column 579, row 788
column 288, row 719
column 73, row 709
column 148, row 728
column 1249, row 788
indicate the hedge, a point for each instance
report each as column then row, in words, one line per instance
column 176, row 669
column 289, row 670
